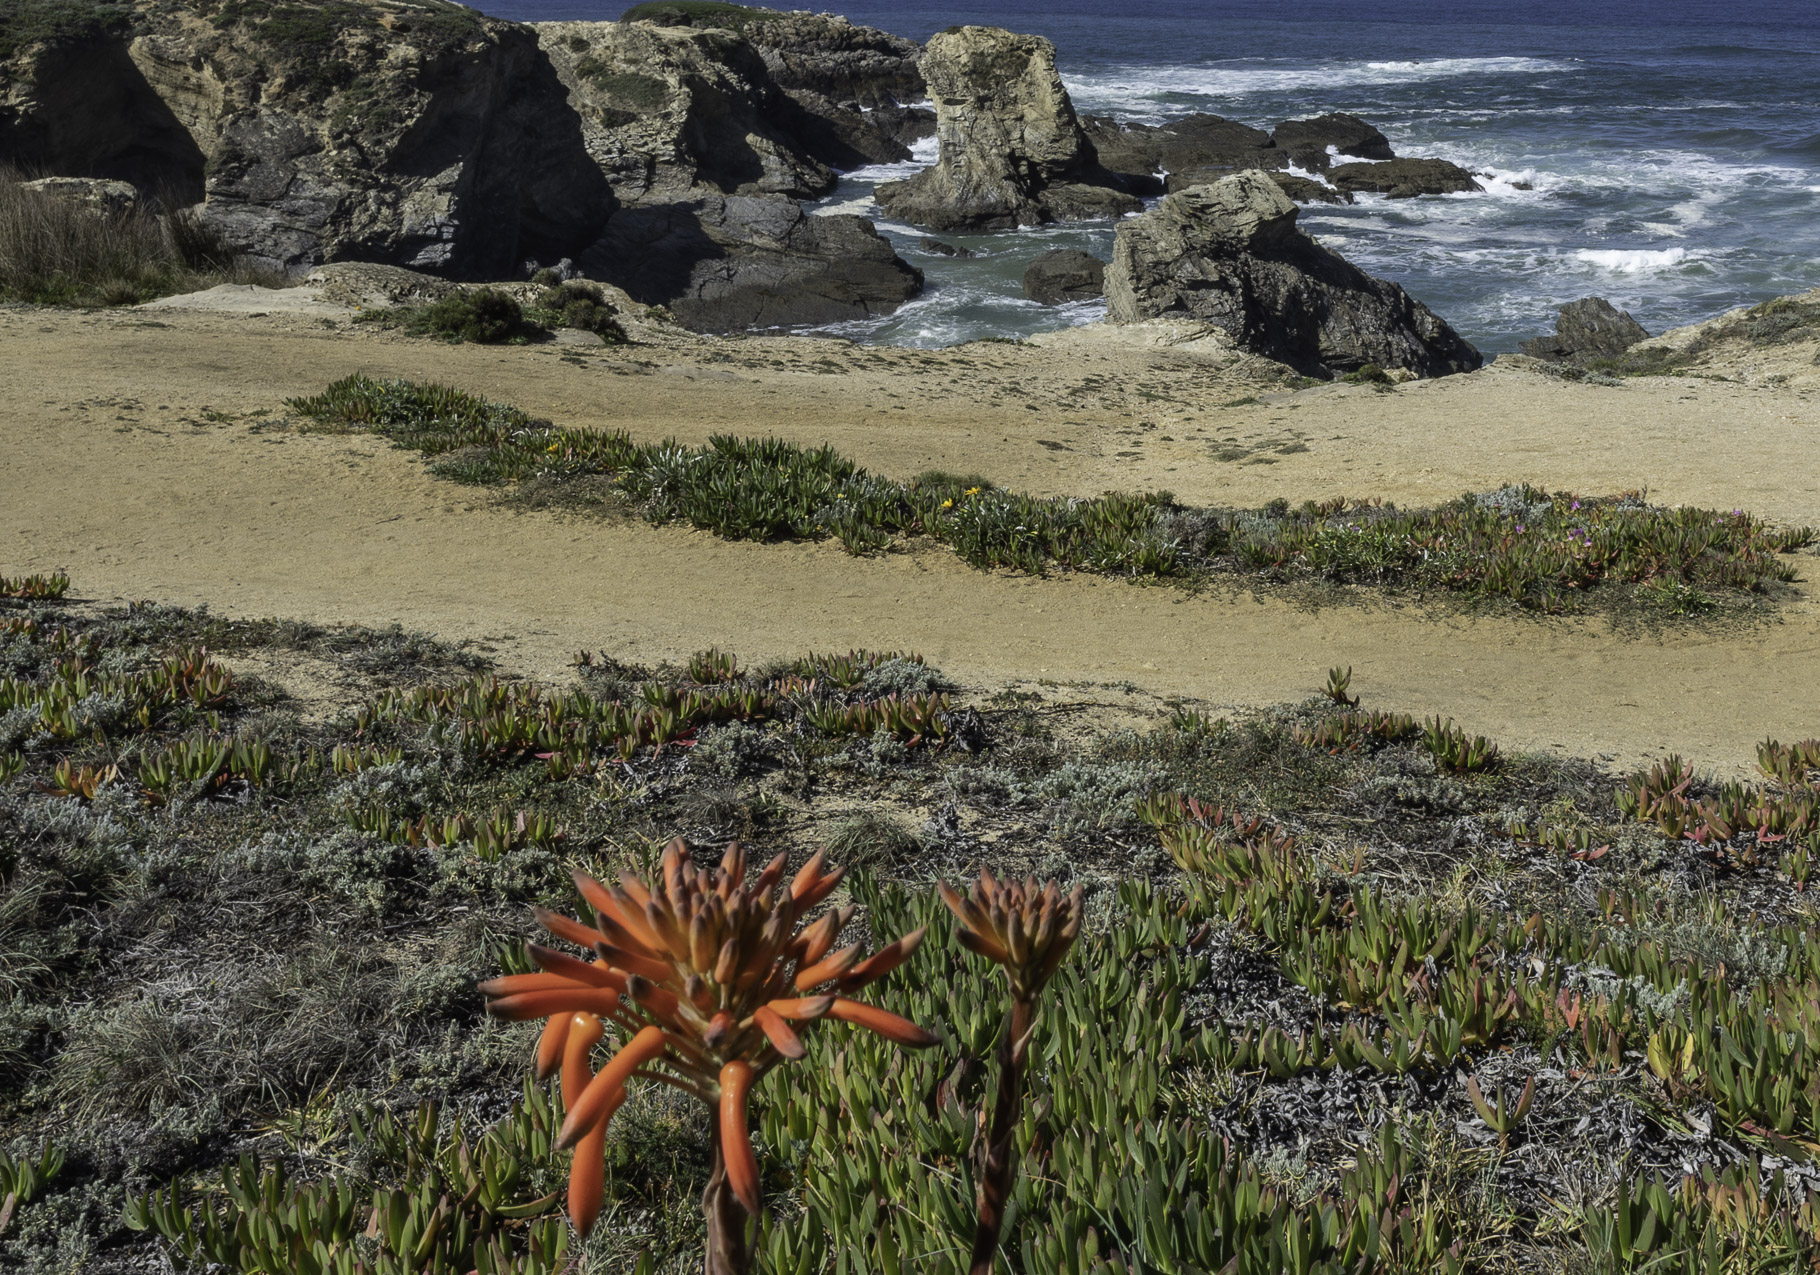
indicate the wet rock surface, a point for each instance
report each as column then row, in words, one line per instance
column 1064, row 275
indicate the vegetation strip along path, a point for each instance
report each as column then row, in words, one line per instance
column 1542, row 552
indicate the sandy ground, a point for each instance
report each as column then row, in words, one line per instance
column 136, row 451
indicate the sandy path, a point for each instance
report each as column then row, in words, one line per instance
column 109, row 468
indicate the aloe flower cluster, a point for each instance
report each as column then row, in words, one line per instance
column 710, row 979
column 1028, row 929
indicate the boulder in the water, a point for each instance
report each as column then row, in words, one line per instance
column 943, row 249
column 1590, row 328
column 1309, row 139
column 1230, row 254
column 1064, row 275
column 1403, row 178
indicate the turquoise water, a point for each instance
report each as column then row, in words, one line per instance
column 1672, row 149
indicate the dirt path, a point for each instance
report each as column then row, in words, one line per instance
column 111, row 468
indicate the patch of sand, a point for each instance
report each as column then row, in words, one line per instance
column 130, row 455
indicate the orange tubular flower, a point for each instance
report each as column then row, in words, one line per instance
column 710, row 981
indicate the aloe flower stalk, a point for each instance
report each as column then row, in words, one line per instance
column 1028, row 929
column 711, row 980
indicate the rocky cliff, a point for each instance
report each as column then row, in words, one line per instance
column 1230, row 254
column 858, row 85
column 429, row 136
column 1012, row 151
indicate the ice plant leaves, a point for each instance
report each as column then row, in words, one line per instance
column 711, row 978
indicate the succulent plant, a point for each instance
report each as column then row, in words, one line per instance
column 711, row 980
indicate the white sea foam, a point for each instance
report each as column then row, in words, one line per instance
column 1632, row 260
column 1133, row 90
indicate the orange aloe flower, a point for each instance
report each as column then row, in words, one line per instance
column 1029, row 929
column 711, row 981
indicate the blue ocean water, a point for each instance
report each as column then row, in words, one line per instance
column 1671, row 148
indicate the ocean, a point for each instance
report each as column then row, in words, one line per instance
column 1670, row 150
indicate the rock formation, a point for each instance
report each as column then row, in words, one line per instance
column 1403, row 178
column 860, row 83
column 427, row 136
column 1230, row 254
column 723, row 262
column 1064, row 275
column 431, row 137
column 664, row 110
column 1307, row 140
column 1012, row 151
column 702, row 149
column 1590, row 328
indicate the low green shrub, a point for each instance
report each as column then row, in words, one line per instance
column 577, row 304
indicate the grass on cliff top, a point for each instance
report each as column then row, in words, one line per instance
column 56, row 251
column 697, row 13
column 238, row 984
column 28, row 22
column 1545, row 552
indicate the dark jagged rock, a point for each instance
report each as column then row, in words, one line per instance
column 1230, row 254
column 944, row 249
column 1590, row 328
column 1309, row 139
column 1012, row 151
column 1199, row 143
column 1064, row 275
column 725, row 262
column 1303, row 190
column 1403, row 178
